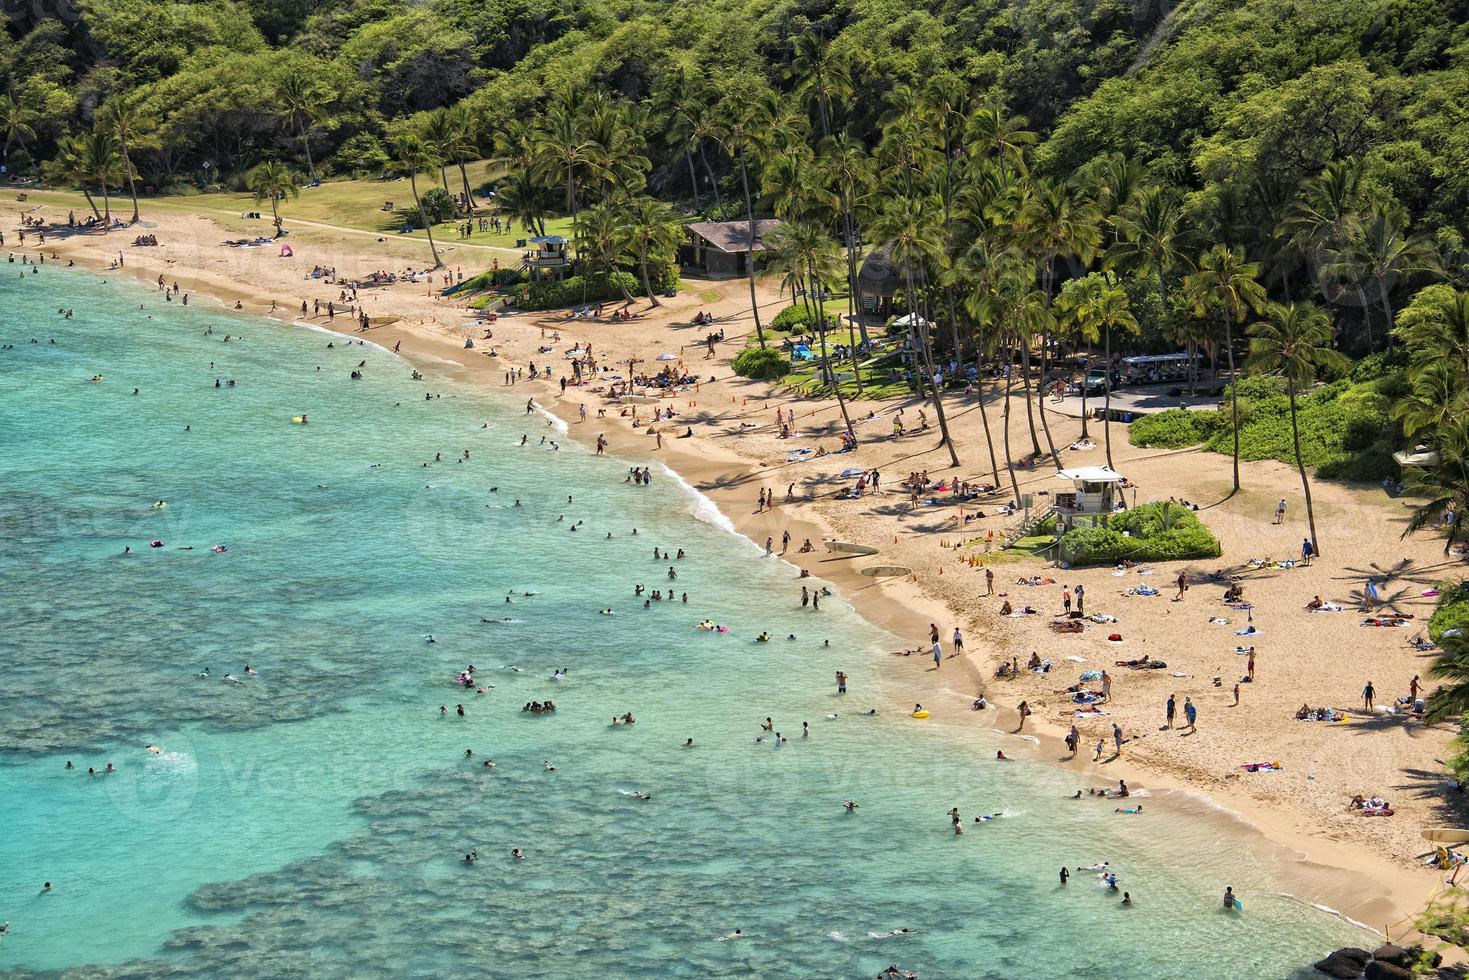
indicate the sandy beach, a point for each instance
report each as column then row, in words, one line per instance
column 1302, row 657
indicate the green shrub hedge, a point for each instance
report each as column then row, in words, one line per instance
column 795, row 318
column 1173, row 429
column 568, row 292
column 762, row 363
column 1347, row 432
column 1452, row 611
column 435, row 205
column 1153, row 532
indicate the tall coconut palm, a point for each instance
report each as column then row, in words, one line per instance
column 414, row 156
column 302, row 100
column 1058, row 223
column 271, row 181
column 522, row 197
column 600, row 237
column 745, row 132
column 1444, row 483
column 909, row 226
column 72, row 166
column 130, row 124
column 1226, row 282
column 810, row 259
column 1452, row 665
column 102, row 164
column 464, row 145
column 1149, row 236
column 1381, row 254
column 1323, row 220
column 650, row 228
column 1295, row 340
column 979, row 272
column 681, row 98
column 560, row 146
column 16, row 119
column 819, row 75
column 1108, row 309
column 845, row 167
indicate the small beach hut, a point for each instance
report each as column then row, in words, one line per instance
column 723, row 249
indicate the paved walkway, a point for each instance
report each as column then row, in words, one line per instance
column 1144, row 399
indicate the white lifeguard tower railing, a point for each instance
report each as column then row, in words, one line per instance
column 1096, row 492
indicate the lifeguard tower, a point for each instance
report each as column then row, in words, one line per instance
column 1096, row 492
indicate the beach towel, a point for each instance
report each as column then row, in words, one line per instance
column 1091, row 675
column 1102, row 618
column 1247, row 631
column 1262, row 767
column 1327, row 607
column 1218, row 620
column 1079, row 660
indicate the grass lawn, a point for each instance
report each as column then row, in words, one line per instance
column 346, row 203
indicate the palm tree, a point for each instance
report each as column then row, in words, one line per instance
column 1381, row 254
column 907, row 225
column 560, row 146
column 996, row 134
column 1450, row 665
column 527, row 200
column 1294, row 340
column 414, row 157
column 1444, row 482
column 1227, row 282
column 125, row 117
column 600, row 235
column 747, row 125
column 1149, row 236
column 302, row 100
column 682, row 100
column 101, row 164
column 1108, row 309
column 650, row 228
column 17, row 122
column 464, row 145
column 810, row 260
column 272, row 181
column 71, row 165
column 1057, row 223
column 819, row 75
column 847, row 168
column 1323, row 220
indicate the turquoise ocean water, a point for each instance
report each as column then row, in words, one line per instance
column 310, row 820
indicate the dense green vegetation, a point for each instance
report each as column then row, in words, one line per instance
column 1346, row 429
column 1150, row 532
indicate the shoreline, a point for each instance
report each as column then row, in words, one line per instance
column 729, row 480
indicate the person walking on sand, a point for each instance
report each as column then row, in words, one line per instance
column 1169, row 711
column 1250, row 666
column 1066, row 600
column 1236, row 697
column 1280, row 511
column 938, row 655
column 1024, row 709
column 1413, row 690
column 1368, row 693
column 1106, row 686
column 1308, row 551
column 1182, row 586
column 1073, row 739
column 1117, row 739
column 989, row 581
column 1097, row 755
column 1191, row 712
column 959, row 644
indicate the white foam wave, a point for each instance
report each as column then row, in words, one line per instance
column 1334, row 913
column 352, row 341
column 705, row 509
column 556, row 421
